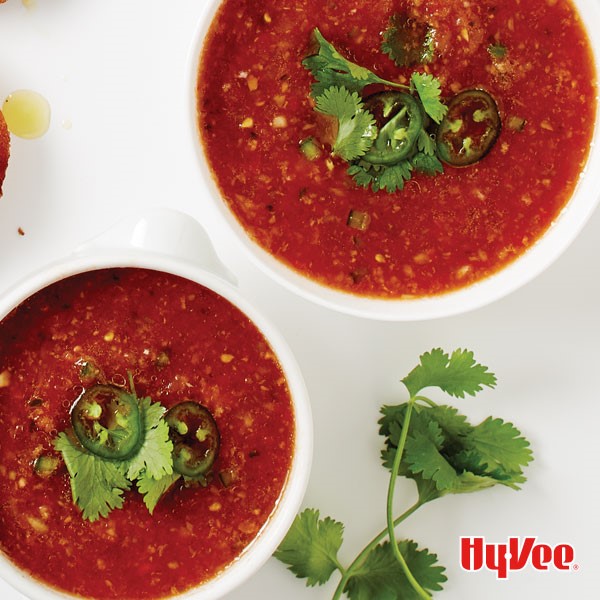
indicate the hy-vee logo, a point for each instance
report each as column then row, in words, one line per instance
column 515, row 555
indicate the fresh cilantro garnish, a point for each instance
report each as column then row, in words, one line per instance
column 500, row 446
column 336, row 93
column 356, row 126
column 310, row 549
column 381, row 177
column 408, row 42
column 436, row 447
column 427, row 163
column 154, row 456
column 428, row 89
column 330, row 68
column 379, row 576
column 311, row 546
column 392, row 178
column 364, row 175
column 426, row 143
column 98, row 484
column 154, row 489
column 457, row 374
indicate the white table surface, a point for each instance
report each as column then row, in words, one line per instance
column 114, row 72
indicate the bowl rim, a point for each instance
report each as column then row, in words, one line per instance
column 292, row 494
column 526, row 267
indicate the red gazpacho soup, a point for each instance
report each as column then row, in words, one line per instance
column 72, row 353
column 337, row 160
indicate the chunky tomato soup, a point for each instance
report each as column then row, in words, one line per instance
column 440, row 232
column 179, row 341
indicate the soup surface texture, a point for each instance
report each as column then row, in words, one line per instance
column 179, row 341
column 440, row 232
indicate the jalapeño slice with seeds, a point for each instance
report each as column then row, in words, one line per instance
column 399, row 120
column 470, row 128
column 195, row 438
column 106, row 420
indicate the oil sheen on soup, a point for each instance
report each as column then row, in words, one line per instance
column 438, row 233
column 178, row 341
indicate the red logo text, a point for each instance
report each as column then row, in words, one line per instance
column 515, row 555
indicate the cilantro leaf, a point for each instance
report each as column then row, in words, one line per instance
column 427, row 163
column 363, row 174
column 425, row 160
column 310, row 547
column 428, row 444
column 501, row 445
column 443, row 448
column 475, row 474
column 454, row 425
column 154, row 489
column 380, row 576
column 425, row 143
column 424, row 458
column 456, row 375
column 470, row 482
column 408, row 42
column 154, row 456
column 339, row 102
column 330, row 68
column 444, row 426
column 392, row 178
column 356, row 126
column 326, row 77
column 380, row 177
column 97, row 484
column 471, row 465
column 428, row 89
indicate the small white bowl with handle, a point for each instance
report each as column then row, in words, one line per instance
column 172, row 242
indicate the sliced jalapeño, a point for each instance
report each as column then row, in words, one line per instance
column 399, row 121
column 195, row 438
column 470, row 128
column 106, row 420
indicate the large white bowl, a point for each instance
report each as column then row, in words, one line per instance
column 171, row 242
column 541, row 255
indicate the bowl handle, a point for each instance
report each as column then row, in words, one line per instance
column 162, row 231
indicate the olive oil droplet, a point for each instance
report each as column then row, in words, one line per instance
column 27, row 114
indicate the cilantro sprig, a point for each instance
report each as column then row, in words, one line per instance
column 356, row 126
column 436, row 447
column 337, row 90
column 330, row 68
column 98, row 484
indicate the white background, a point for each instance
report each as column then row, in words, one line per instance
column 114, row 73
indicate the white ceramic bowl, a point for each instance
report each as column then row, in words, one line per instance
column 541, row 255
column 171, row 242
